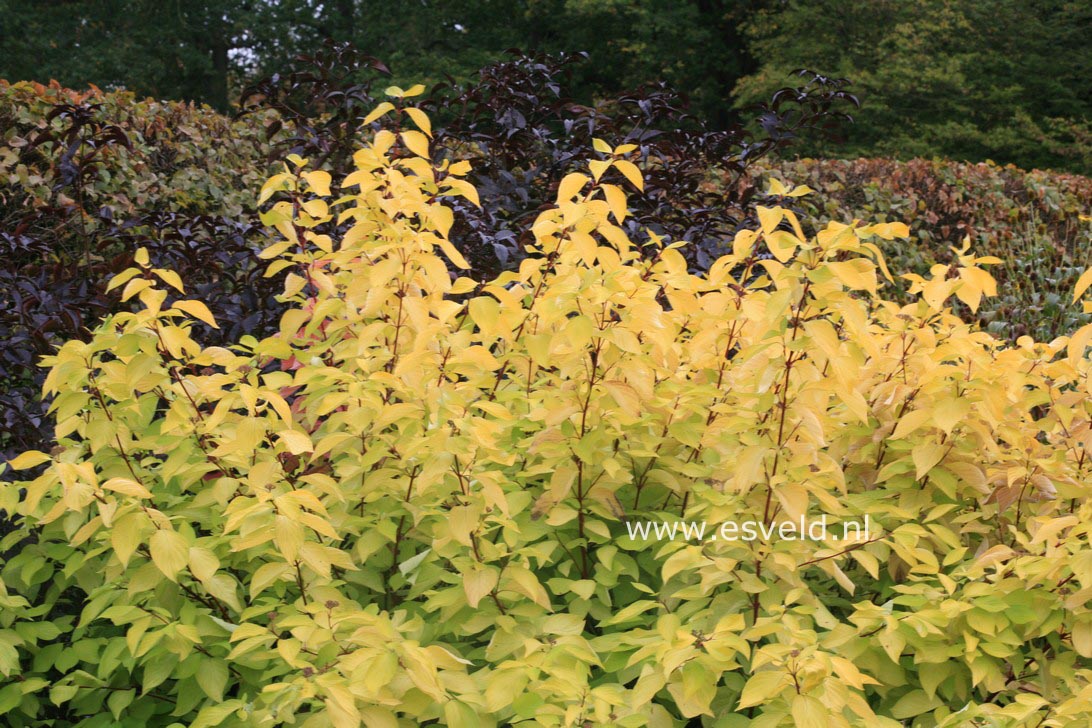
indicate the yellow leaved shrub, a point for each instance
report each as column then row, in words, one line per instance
column 435, row 500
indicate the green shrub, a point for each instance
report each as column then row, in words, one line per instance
column 412, row 503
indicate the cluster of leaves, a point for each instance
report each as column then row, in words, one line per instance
column 409, row 504
column 87, row 177
column 522, row 133
column 1036, row 222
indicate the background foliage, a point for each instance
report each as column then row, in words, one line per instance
column 960, row 79
column 601, row 300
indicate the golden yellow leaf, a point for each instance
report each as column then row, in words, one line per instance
column 1082, row 284
column 28, row 459
column 459, row 168
column 598, row 167
column 631, row 172
column 769, row 218
column 319, row 181
column 416, row 142
column 808, row 712
column 616, row 198
column 127, row 486
column 171, row 278
column 761, row 687
column 296, row 442
column 383, row 108
column 453, row 254
column 421, row 119
column 570, row 185
column 857, row 274
column 198, row 310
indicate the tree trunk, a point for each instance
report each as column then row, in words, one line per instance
column 218, row 92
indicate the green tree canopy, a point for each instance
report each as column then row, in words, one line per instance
column 1007, row 80
column 199, row 50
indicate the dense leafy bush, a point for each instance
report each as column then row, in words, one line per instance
column 133, row 155
column 522, row 133
column 1031, row 220
column 410, row 503
column 89, row 177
